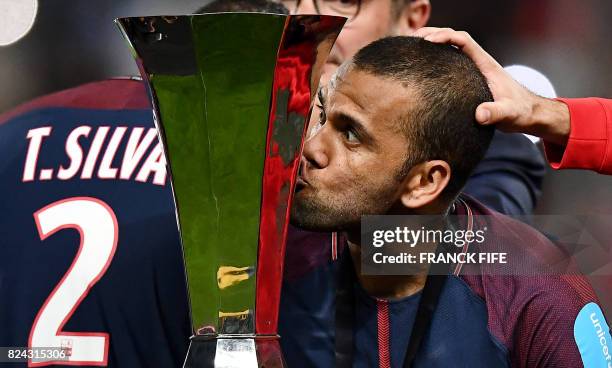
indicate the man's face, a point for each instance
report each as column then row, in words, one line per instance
column 373, row 22
column 352, row 163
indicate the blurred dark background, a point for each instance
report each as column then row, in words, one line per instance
column 76, row 41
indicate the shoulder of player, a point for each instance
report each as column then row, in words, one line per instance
column 109, row 94
column 527, row 308
column 532, row 292
column 523, row 306
column 528, row 250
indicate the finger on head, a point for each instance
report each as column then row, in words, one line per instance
column 483, row 115
column 425, row 31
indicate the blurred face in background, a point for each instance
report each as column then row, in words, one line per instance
column 368, row 21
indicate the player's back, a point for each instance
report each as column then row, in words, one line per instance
column 90, row 257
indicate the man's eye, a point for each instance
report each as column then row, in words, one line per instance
column 351, row 136
column 322, row 116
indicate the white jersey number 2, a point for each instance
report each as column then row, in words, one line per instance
column 97, row 225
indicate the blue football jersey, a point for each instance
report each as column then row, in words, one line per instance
column 482, row 319
column 90, row 254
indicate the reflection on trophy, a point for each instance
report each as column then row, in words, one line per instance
column 232, row 95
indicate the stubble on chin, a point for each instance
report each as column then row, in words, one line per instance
column 309, row 214
column 326, row 215
column 342, row 210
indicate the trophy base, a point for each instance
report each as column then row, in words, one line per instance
column 234, row 352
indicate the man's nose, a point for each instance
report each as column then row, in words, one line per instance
column 316, row 150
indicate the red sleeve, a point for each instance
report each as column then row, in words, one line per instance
column 590, row 141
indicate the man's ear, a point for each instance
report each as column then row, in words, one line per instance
column 424, row 183
column 414, row 15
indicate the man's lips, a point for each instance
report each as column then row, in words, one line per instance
column 300, row 182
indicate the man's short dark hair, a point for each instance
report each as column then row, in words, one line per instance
column 252, row 6
column 441, row 124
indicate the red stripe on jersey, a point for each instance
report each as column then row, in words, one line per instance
column 334, row 246
column 111, row 94
column 470, row 227
column 384, row 351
